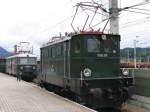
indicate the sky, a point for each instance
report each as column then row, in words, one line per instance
column 36, row 21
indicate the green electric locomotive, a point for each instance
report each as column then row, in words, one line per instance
column 86, row 65
column 24, row 64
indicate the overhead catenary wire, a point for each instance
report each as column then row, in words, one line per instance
column 133, row 24
column 133, row 9
column 141, row 9
column 61, row 22
column 122, row 9
column 137, row 12
column 136, row 5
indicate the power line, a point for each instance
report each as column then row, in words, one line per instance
column 61, row 22
column 136, row 5
column 136, row 22
column 122, row 9
column 137, row 12
column 141, row 9
column 133, row 24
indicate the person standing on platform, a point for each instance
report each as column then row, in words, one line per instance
column 19, row 76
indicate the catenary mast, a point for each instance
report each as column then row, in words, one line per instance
column 114, row 19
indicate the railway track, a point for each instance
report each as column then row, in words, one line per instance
column 126, row 107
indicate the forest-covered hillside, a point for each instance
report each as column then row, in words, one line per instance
column 142, row 54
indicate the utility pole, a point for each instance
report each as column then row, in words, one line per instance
column 128, row 53
column 135, row 58
column 95, row 6
column 114, row 19
column 134, row 53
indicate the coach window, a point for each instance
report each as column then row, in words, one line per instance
column 53, row 52
column 77, row 47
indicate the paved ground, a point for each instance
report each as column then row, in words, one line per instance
column 25, row 97
column 138, row 104
column 134, row 108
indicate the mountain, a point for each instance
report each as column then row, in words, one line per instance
column 4, row 52
column 142, row 54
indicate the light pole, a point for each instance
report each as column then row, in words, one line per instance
column 134, row 53
column 114, row 19
column 135, row 41
column 128, row 53
column 147, row 57
column 142, row 43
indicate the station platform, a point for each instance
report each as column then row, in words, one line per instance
column 26, row 97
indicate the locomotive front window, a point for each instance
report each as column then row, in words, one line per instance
column 25, row 61
column 96, row 44
column 31, row 61
column 108, row 46
column 93, row 45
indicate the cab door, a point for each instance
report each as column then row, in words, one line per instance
column 67, row 59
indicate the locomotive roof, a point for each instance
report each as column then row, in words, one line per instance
column 22, row 55
column 59, row 39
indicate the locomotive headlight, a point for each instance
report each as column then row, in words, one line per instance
column 21, row 68
column 33, row 67
column 20, row 73
column 125, row 72
column 87, row 72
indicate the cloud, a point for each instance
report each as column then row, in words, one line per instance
column 34, row 21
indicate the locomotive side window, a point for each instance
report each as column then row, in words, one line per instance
column 77, row 47
column 53, row 52
column 49, row 52
column 44, row 53
column 93, row 45
column 59, row 51
column 46, row 50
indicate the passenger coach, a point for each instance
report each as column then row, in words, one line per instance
column 2, row 65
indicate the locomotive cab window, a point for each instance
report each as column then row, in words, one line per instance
column 31, row 60
column 53, row 52
column 77, row 47
column 96, row 44
column 93, row 45
column 59, row 51
column 49, row 52
column 110, row 45
column 24, row 61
